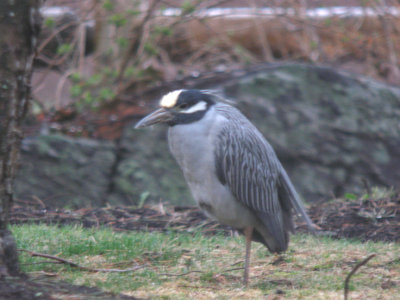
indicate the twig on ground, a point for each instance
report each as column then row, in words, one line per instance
column 48, row 274
column 38, row 200
column 41, row 262
column 230, row 270
column 180, row 274
column 208, row 287
column 347, row 281
column 237, row 263
column 197, row 271
column 75, row 265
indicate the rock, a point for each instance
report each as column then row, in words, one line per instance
column 77, row 172
column 146, row 170
column 63, row 171
column 335, row 133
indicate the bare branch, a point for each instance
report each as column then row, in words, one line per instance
column 197, row 271
column 347, row 281
column 135, row 44
column 83, row 268
column 180, row 274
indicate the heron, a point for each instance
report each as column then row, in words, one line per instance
column 232, row 171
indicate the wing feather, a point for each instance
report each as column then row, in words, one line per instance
column 246, row 162
column 249, row 166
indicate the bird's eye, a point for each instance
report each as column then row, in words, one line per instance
column 183, row 106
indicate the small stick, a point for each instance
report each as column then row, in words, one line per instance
column 75, row 265
column 38, row 200
column 230, row 270
column 41, row 262
column 347, row 281
column 197, row 271
column 181, row 274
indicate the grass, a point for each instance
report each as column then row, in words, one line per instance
column 313, row 268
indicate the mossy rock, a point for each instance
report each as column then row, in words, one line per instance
column 146, row 170
column 63, row 171
column 334, row 132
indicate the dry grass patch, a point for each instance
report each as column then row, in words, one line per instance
column 193, row 266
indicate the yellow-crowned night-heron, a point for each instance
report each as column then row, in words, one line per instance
column 232, row 171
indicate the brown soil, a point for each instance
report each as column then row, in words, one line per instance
column 23, row 288
column 364, row 219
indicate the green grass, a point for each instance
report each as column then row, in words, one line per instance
column 313, row 268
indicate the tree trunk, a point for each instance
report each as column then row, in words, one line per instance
column 19, row 26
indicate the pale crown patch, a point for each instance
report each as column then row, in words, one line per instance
column 170, row 99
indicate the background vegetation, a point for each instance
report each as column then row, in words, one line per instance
column 112, row 50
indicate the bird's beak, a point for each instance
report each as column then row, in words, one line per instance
column 161, row 115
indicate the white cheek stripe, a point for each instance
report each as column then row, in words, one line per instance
column 202, row 105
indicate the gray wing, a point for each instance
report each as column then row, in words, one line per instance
column 249, row 166
column 246, row 162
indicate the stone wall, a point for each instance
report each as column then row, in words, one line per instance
column 335, row 133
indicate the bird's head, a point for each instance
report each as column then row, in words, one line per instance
column 179, row 107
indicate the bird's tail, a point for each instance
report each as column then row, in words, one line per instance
column 294, row 198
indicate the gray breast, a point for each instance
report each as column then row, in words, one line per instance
column 193, row 146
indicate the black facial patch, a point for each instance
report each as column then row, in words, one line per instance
column 192, row 97
column 187, row 99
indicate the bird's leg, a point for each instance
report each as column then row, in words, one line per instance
column 248, row 233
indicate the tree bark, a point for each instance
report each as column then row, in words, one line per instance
column 19, row 27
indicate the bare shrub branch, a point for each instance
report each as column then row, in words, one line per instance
column 357, row 266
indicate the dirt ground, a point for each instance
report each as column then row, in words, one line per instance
column 364, row 219
column 24, row 288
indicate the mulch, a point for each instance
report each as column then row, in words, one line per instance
column 364, row 219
